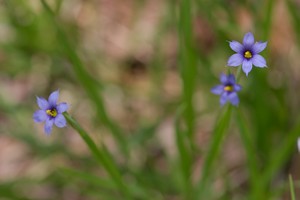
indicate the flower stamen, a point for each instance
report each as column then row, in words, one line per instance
column 248, row 54
column 52, row 112
column 228, row 88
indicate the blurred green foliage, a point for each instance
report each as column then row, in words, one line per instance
column 148, row 103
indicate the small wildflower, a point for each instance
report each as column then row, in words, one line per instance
column 247, row 53
column 228, row 89
column 50, row 112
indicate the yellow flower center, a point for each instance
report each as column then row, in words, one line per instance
column 52, row 112
column 228, row 88
column 248, row 54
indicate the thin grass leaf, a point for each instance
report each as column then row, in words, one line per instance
column 267, row 23
column 282, row 154
column 100, row 182
column 101, row 155
column 185, row 160
column 292, row 188
column 188, row 67
column 213, row 151
column 250, row 151
column 294, row 13
column 87, row 81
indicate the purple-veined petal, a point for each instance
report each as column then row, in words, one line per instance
column 48, row 126
column 237, row 87
column 217, row 89
column 236, row 46
column 248, row 40
column 235, row 60
column 259, row 47
column 223, row 98
column 247, row 66
column 39, row 116
column 233, row 98
column 60, row 121
column 259, row 61
column 231, row 79
column 42, row 103
column 62, row 107
column 53, row 98
column 223, row 78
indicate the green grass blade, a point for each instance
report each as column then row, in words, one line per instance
column 267, row 23
column 185, row 160
column 214, row 148
column 292, row 188
column 282, row 154
column 188, row 67
column 87, row 81
column 250, row 151
column 294, row 13
column 100, row 182
column 102, row 156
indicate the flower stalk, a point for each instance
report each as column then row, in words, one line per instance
column 101, row 155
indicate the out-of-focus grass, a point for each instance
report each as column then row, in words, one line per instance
column 137, row 75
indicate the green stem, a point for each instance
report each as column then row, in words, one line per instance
column 282, row 155
column 185, row 160
column 279, row 159
column 238, row 74
column 250, row 152
column 188, row 64
column 87, row 81
column 101, row 155
column 292, row 188
column 216, row 141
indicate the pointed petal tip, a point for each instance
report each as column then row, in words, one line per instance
column 39, row 116
column 259, row 47
column 62, row 107
column 42, row 103
column 248, row 39
column 247, row 67
column 236, row 46
column 259, row 61
column 53, row 97
column 60, row 121
column 48, row 126
column 218, row 90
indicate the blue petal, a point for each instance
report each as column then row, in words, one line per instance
column 60, row 121
column 42, row 103
column 247, row 66
column 62, row 107
column 259, row 47
column 233, row 98
column 39, row 116
column 248, row 40
column 223, row 98
column 236, row 46
column 48, row 126
column 235, row 60
column 231, row 79
column 217, row 89
column 259, row 61
column 223, row 78
column 237, row 87
column 53, row 98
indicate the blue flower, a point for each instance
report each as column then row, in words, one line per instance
column 247, row 53
column 228, row 89
column 50, row 112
